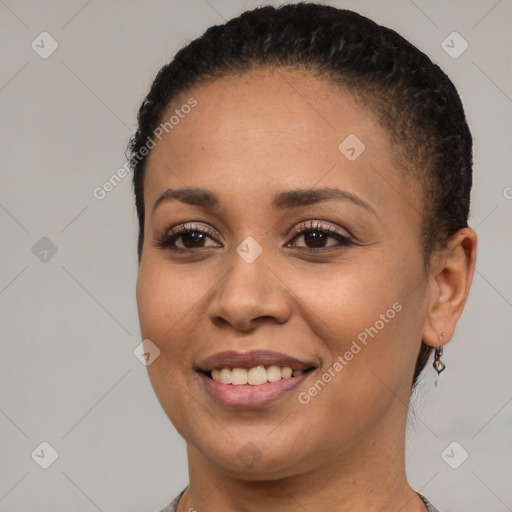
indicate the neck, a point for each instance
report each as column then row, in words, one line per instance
column 369, row 477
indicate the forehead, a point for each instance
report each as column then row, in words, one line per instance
column 264, row 130
column 291, row 109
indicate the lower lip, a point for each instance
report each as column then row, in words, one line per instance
column 251, row 397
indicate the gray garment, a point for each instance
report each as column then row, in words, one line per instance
column 172, row 507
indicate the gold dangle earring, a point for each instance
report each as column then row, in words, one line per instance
column 438, row 365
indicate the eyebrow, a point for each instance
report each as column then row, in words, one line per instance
column 282, row 201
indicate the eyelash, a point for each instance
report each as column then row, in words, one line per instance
column 345, row 239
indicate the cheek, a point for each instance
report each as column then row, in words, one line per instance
column 350, row 297
column 369, row 365
column 370, row 315
column 164, row 299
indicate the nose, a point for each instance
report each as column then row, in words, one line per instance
column 250, row 294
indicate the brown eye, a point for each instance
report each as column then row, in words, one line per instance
column 316, row 236
column 191, row 238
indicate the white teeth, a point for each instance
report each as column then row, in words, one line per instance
column 239, row 376
column 257, row 376
column 225, row 376
column 286, row 372
column 254, row 376
column 273, row 373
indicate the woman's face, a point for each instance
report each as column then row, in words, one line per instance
column 247, row 289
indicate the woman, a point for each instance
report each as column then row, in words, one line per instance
column 302, row 179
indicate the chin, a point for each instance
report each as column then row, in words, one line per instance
column 253, row 458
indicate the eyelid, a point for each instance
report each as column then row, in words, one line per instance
column 192, row 226
column 320, row 225
column 186, row 228
column 342, row 235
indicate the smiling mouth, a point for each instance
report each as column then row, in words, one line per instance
column 255, row 376
column 253, row 379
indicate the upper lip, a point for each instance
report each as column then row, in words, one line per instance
column 234, row 359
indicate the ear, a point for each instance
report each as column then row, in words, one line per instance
column 450, row 279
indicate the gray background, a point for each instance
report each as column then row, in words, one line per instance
column 69, row 321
